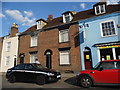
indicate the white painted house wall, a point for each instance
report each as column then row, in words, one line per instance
column 13, row 51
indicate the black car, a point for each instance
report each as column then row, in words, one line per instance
column 32, row 72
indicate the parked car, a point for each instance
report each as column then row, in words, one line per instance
column 104, row 73
column 32, row 72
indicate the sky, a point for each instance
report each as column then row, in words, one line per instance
column 25, row 14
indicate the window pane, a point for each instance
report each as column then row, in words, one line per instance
column 32, row 58
column 108, row 28
column 63, row 36
column 7, row 60
column 34, row 40
column 64, row 57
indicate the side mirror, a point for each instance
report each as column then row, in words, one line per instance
column 100, row 69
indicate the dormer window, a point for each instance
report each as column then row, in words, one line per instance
column 67, row 17
column 100, row 8
column 41, row 23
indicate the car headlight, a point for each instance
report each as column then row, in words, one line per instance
column 50, row 74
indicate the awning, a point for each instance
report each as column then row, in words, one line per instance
column 106, row 44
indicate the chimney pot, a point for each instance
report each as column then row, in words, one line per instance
column 50, row 17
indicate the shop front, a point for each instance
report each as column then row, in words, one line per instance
column 109, row 51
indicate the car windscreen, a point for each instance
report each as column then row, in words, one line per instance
column 97, row 66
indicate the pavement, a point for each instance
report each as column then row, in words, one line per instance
column 67, row 81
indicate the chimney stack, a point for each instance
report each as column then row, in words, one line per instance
column 50, row 17
column 14, row 30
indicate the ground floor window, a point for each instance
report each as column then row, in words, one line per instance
column 7, row 60
column 33, row 57
column 64, row 57
column 117, row 50
column 109, row 54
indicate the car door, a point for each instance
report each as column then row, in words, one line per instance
column 19, row 71
column 109, row 74
column 29, row 72
column 118, row 67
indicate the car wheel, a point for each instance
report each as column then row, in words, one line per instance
column 12, row 78
column 40, row 80
column 85, row 81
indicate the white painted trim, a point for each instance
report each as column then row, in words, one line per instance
column 98, row 51
column 114, row 53
column 105, row 22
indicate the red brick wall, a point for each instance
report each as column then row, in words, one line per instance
column 50, row 40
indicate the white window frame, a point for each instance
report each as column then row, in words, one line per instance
column 67, row 52
column 67, row 15
column 33, row 56
column 7, row 60
column 8, row 46
column 100, row 9
column 39, row 24
column 61, row 35
column 102, row 30
column 34, row 43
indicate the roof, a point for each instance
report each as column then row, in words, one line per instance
column 31, row 29
column 107, row 44
column 77, row 17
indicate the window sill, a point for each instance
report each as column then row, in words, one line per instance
column 33, row 46
column 109, row 36
column 64, row 42
column 64, row 64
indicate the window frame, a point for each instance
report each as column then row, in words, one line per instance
column 8, row 46
column 39, row 24
column 102, row 29
column 7, row 60
column 100, row 10
column 35, row 56
column 65, row 64
column 33, row 44
column 61, row 36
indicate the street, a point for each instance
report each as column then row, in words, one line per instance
column 67, row 81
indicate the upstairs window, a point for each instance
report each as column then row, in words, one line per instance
column 8, row 46
column 67, row 17
column 64, row 35
column 108, row 28
column 34, row 40
column 100, row 9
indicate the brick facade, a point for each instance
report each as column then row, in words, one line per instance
column 50, row 40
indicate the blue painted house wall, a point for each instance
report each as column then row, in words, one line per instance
column 93, row 35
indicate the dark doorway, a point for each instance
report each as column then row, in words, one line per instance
column 87, row 58
column 22, row 55
column 48, row 54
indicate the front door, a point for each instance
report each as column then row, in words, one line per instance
column 48, row 61
column 88, row 60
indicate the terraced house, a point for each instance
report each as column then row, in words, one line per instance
column 9, row 49
column 54, row 42
column 100, row 34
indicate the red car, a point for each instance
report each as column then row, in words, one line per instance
column 104, row 73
